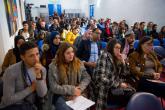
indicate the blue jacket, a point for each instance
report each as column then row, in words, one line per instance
column 84, row 50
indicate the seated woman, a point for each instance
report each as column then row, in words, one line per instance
column 49, row 50
column 13, row 55
column 146, row 68
column 111, row 77
column 67, row 76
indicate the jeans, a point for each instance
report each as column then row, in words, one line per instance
column 60, row 103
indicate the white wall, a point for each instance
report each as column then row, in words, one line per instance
column 131, row 10
column 69, row 5
column 37, row 2
column 36, row 10
column 84, row 5
column 7, row 41
column 80, row 5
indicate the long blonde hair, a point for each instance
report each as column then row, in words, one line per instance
column 61, row 62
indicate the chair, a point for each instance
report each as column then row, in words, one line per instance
column 164, row 42
column 156, row 42
column 136, row 43
column 144, row 101
column 113, row 106
column 103, row 45
column 160, row 51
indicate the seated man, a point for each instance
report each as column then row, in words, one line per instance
column 127, row 43
column 23, row 81
column 89, row 50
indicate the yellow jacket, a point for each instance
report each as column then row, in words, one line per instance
column 65, row 32
column 70, row 37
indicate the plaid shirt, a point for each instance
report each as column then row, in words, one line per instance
column 106, row 76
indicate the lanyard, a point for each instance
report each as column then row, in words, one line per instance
column 26, row 75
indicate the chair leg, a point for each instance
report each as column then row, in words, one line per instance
column 162, row 102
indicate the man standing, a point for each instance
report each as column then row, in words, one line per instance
column 25, row 80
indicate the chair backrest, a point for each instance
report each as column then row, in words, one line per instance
column 144, row 101
column 103, row 45
column 156, row 42
column 136, row 43
column 163, row 40
column 160, row 51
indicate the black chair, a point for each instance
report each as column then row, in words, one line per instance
column 113, row 106
column 144, row 101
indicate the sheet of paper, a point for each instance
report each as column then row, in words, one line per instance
column 80, row 103
column 156, row 81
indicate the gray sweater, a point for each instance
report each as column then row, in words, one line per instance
column 14, row 89
column 67, row 89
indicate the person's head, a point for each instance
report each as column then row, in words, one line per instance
column 75, row 30
column 67, row 26
column 101, row 21
column 56, row 21
column 42, row 24
column 66, row 53
column 87, row 35
column 154, row 27
column 136, row 25
column 55, row 14
column 145, row 45
column 41, row 35
column 108, row 20
column 55, row 38
column 114, row 24
column 33, row 26
column 25, row 25
column 107, row 25
column 91, row 21
column 65, row 58
column 74, row 22
column 114, row 47
column 162, row 29
column 149, row 25
column 36, row 18
column 130, row 36
column 122, row 30
column 18, row 41
column 96, row 34
column 122, row 24
column 142, row 25
column 29, row 53
column 124, row 21
column 78, row 23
